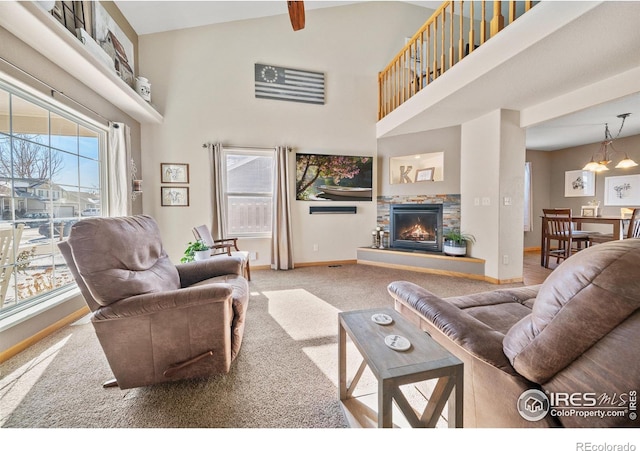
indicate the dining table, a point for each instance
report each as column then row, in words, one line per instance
column 617, row 223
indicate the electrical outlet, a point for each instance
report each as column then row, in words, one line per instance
column 486, row 201
column 253, row 256
column 476, row 201
column 505, row 259
column 315, row 248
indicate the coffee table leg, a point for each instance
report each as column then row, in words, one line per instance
column 456, row 408
column 385, row 404
column 342, row 361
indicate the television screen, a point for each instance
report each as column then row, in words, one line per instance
column 333, row 177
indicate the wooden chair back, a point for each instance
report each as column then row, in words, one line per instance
column 634, row 224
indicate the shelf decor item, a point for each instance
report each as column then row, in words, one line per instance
column 143, row 88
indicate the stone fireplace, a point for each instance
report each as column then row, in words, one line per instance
column 416, row 227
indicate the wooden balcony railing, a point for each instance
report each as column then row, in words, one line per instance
column 442, row 41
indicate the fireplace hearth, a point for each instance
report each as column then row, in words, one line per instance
column 416, row 227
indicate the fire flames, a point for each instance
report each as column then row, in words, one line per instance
column 417, row 232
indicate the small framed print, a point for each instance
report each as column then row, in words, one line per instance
column 424, row 175
column 622, row 190
column 589, row 211
column 174, row 173
column 579, row 183
column 174, row 196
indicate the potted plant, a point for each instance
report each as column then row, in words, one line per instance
column 455, row 242
column 196, row 251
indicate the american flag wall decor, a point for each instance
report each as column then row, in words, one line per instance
column 281, row 83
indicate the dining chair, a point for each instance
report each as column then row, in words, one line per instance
column 558, row 227
column 634, row 224
column 225, row 246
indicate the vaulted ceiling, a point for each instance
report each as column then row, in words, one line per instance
column 582, row 127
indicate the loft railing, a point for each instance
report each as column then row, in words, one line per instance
column 442, row 41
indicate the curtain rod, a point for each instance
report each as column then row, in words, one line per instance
column 206, row 145
column 54, row 90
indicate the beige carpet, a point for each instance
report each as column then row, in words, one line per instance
column 285, row 375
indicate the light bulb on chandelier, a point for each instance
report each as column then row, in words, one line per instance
column 601, row 159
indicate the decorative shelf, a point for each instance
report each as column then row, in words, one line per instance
column 35, row 26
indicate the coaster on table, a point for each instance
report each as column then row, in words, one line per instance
column 397, row 342
column 381, row 318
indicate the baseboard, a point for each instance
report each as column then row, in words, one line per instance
column 533, row 249
column 327, row 263
column 24, row 344
column 503, row 281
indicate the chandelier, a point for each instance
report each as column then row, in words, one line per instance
column 604, row 156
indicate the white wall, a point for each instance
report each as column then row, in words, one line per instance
column 492, row 169
column 202, row 81
column 446, row 140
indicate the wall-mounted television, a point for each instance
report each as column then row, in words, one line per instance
column 333, row 177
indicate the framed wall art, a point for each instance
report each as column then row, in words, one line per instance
column 174, row 173
column 174, row 196
column 623, row 190
column 425, row 175
column 333, row 177
column 579, row 183
column 115, row 42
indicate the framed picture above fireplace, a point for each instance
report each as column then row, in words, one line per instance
column 333, row 177
column 423, row 167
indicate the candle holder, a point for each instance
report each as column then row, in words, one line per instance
column 381, row 240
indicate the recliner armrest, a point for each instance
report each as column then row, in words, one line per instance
column 472, row 335
column 150, row 303
column 197, row 271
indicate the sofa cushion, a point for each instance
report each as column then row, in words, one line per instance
column 582, row 301
column 132, row 260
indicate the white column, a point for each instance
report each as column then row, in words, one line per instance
column 492, row 160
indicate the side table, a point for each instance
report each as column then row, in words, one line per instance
column 424, row 360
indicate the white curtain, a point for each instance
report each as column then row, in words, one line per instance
column 118, row 161
column 281, row 243
column 219, row 225
column 528, row 201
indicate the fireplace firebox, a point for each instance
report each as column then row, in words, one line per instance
column 416, row 227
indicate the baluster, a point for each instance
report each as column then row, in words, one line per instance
column 428, row 61
column 452, row 50
column 461, row 32
column 423, row 63
column 512, row 11
column 443, row 45
column 435, row 49
column 497, row 23
column 483, row 23
column 472, row 29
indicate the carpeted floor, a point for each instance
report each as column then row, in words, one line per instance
column 285, row 376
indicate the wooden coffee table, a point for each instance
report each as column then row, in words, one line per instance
column 424, row 360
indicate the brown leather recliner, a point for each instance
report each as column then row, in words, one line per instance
column 156, row 321
column 573, row 338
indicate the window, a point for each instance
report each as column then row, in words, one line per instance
column 248, row 191
column 50, row 170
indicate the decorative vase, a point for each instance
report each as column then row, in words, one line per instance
column 143, row 88
column 201, row 255
column 455, row 248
